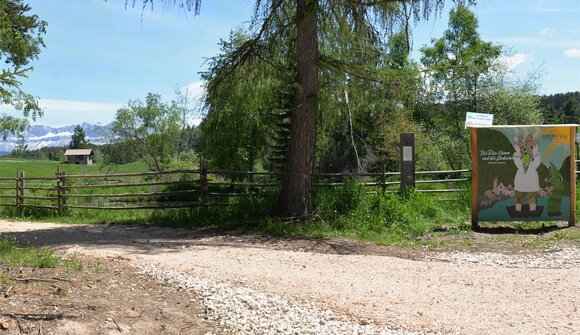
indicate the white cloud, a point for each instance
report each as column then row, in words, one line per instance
column 68, row 112
column 548, row 31
column 572, row 53
column 511, row 62
column 194, row 121
column 195, row 90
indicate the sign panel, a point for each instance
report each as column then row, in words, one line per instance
column 407, row 153
column 478, row 120
column 523, row 173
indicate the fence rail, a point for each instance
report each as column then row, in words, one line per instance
column 196, row 188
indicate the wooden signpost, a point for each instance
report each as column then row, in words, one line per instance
column 523, row 173
column 407, row 161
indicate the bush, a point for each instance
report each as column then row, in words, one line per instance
column 387, row 218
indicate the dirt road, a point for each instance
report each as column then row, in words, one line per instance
column 410, row 293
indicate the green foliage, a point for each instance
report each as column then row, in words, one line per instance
column 152, row 130
column 390, row 218
column 513, row 104
column 14, row 255
column 21, row 149
column 118, row 153
column 21, row 42
column 561, row 108
column 466, row 74
column 78, row 139
column 241, row 119
column 375, row 114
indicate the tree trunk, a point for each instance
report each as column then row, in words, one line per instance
column 294, row 198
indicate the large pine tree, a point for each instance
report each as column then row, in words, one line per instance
column 369, row 21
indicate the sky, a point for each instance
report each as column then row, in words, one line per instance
column 99, row 54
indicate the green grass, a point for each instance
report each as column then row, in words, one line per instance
column 15, row 255
column 48, row 168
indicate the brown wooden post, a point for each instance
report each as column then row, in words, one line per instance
column 383, row 176
column 407, row 161
column 17, row 197
column 203, row 186
column 21, row 192
column 58, row 196
column 474, row 180
column 62, row 188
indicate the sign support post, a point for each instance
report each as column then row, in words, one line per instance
column 407, row 161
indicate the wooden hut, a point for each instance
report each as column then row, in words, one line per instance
column 80, row 156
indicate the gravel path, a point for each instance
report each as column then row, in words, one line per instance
column 254, row 288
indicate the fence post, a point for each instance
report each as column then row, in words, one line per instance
column 383, row 177
column 203, row 186
column 17, row 196
column 58, row 199
column 407, row 161
column 62, row 190
column 20, row 192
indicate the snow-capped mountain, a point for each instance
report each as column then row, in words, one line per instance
column 39, row 136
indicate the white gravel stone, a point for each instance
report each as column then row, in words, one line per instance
column 247, row 311
column 554, row 258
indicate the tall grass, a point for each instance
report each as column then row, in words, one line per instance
column 391, row 218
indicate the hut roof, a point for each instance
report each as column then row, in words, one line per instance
column 78, row 152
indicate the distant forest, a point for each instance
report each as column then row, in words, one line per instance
column 561, row 108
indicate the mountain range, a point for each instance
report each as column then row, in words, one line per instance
column 39, row 136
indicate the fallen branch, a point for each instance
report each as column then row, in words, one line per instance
column 19, row 326
column 37, row 316
column 138, row 316
column 186, row 327
column 46, row 280
column 116, row 324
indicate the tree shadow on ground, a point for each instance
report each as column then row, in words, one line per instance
column 503, row 230
column 154, row 240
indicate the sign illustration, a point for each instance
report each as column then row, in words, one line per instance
column 523, row 173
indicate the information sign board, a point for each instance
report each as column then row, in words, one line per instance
column 523, row 173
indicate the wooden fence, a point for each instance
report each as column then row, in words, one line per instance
column 199, row 188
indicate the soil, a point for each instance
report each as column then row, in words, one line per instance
column 86, row 295
column 388, row 285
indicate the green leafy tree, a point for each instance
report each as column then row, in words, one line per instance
column 78, row 139
column 20, row 42
column 152, row 129
column 465, row 74
column 459, row 64
column 21, row 149
column 369, row 21
column 238, row 128
column 119, row 152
